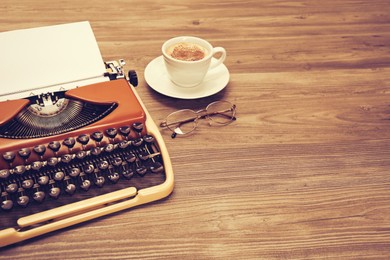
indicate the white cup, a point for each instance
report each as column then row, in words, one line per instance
column 191, row 73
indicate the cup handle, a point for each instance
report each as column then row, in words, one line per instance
column 221, row 58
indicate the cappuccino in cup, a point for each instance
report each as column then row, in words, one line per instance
column 187, row 51
column 188, row 59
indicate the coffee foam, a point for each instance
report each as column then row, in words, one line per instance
column 187, row 51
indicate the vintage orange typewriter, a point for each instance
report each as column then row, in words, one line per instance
column 73, row 152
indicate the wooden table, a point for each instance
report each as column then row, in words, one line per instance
column 304, row 172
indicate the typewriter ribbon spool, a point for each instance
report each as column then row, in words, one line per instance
column 93, row 151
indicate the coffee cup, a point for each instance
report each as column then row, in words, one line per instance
column 188, row 59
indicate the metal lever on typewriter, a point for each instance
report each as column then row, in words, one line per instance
column 115, row 71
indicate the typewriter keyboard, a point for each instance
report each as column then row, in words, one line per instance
column 58, row 180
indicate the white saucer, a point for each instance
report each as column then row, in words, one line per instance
column 157, row 78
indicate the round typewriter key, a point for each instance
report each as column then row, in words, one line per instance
column 36, row 165
column 128, row 173
column 124, row 130
column 23, row 200
column 40, row 149
column 96, row 151
column 83, row 139
column 99, row 181
column 138, row 141
column 66, row 158
column 117, row 161
column 109, row 148
column 27, row 184
column 43, row 180
column 54, row 192
column 156, row 167
column 148, row 138
column 113, row 177
column 9, row 156
column 20, row 169
column 74, row 172
column 39, row 196
column 69, row 142
column 81, row 154
column 85, row 185
column 7, row 204
column 123, row 144
column 59, row 176
column 70, row 188
column 141, row 170
column 138, row 126
column 52, row 161
column 130, row 157
column 89, row 168
column 111, row 132
column 11, row 188
column 4, row 174
column 103, row 165
column 54, row 146
column 24, row 153
column 97, row 136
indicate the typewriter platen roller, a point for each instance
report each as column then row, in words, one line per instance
column 74, row 155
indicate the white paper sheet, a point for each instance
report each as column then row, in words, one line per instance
column 39, row 60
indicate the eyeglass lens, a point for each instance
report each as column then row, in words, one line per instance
column 185, row 121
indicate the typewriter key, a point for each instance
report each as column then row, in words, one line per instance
column 143, row 155
column 85, row 184
column 96, row 151
column 54, row 146
column 130, row 157
column 59, row 176
column 138, row 126
column 138, row 141
column 124, row 130
column 99, row 181
column 36, row 165
column 54, row 192
column 20, row 169
column 74, row 172
column 127, row 172
column 7, row 204
column 109, row 148
column 70, row 188
column 81, row 154
column 123, row 144
column 24, row 153
column 40, row 149
column 83, row 139
column 103, row 165
column 97, row 136
column 43, row 180
column 4, row 174
column 27, row 184
column 52, row 161
column 11, row 188
column 113, row 177
column 111, row 132
column 23, row 200
column 89, row 168
column 141, row 170
column 9, row 156
column 117, row 161
column 66, row 158
column 156, row 167
column 39, row 196
column 148, row 138
column 69, row 142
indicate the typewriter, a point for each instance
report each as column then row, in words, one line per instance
column 69, row 156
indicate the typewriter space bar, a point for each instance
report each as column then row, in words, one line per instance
column 77, row 207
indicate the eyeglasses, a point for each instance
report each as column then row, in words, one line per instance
column 183, row 122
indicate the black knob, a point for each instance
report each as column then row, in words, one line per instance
column 83, row 139
column 133, row 78
column 69, row 142
column 54, row 146
column 138, row 126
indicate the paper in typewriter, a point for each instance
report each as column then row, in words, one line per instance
column 45, row 59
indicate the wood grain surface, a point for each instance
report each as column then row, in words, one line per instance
column 304, row 172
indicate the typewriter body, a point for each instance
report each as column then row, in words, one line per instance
column 73, row 155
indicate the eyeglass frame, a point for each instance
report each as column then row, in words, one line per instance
column 200, row 116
